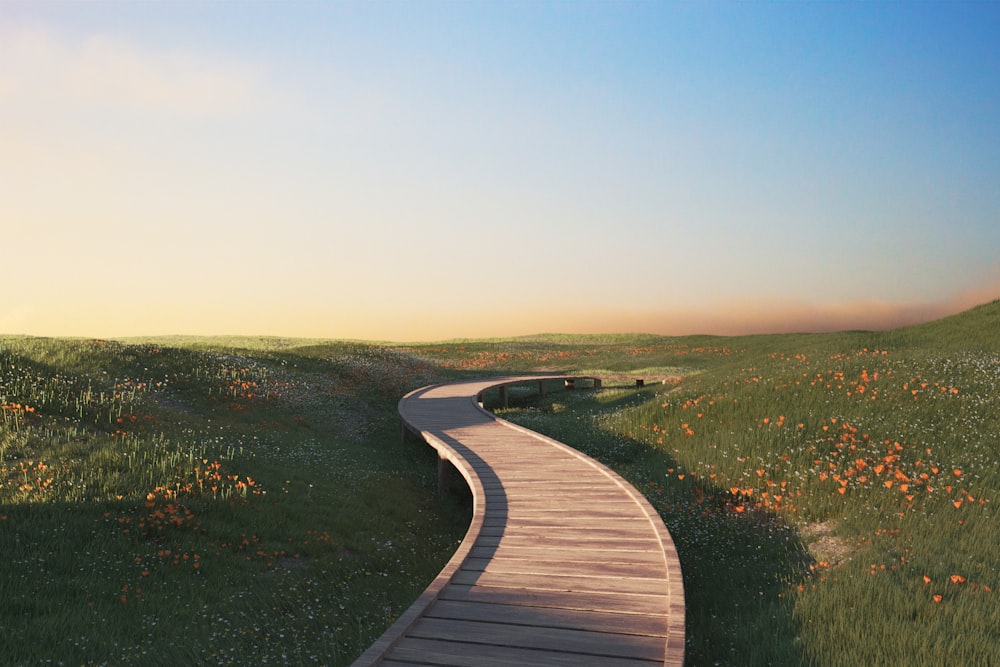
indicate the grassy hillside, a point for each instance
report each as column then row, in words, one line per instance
column 223, row 501
column 832, row 497
column 210, row 504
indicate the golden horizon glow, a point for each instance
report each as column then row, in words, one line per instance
column 413, row 325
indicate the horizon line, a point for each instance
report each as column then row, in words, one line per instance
column 900, row 317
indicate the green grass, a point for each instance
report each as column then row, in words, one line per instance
column 210, row 504
column 231, row 500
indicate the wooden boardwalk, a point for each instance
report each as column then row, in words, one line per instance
column 564, row 562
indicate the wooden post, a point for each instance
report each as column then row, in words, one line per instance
column 503, row 396
column 443, row 482
column 597, row 383
column 402, row 430
column 640, row 382
column 541, row 388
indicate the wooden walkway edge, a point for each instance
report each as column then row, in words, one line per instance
column 564, row 562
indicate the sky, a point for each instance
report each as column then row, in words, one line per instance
column 405, row 171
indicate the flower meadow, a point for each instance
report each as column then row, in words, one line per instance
column 832, row 497
column 250, row 501
column 210, row 504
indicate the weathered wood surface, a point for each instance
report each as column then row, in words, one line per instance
column 564, row 562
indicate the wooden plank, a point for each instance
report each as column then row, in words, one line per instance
column 558, row 566
column 508, row 551
column 623, row 603
column 495, row 537
column 562, row 582
column 572, row 505
column 540, row 522
column 638, row 624
column 567, row 640
column 638, row 524
column 455, row 654
column 581, row 534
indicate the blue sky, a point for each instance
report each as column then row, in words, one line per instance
column 400, row 171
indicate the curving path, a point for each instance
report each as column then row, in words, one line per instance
column 564, row 562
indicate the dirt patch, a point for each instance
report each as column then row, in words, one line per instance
column 823, row 545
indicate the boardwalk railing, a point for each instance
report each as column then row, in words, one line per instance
column 564, row 562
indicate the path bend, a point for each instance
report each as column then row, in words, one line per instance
column 564, row 562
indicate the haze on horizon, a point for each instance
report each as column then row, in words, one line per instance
column 426, row 171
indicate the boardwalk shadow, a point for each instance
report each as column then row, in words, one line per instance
column 461, row 410
column 490, row 506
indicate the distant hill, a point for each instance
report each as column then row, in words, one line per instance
column 975, row 329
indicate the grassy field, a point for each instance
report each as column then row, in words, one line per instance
column 223, row 502
column 249, row 500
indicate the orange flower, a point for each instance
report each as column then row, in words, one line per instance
column 927, row 579
column 938, row 598
column 957, row 579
